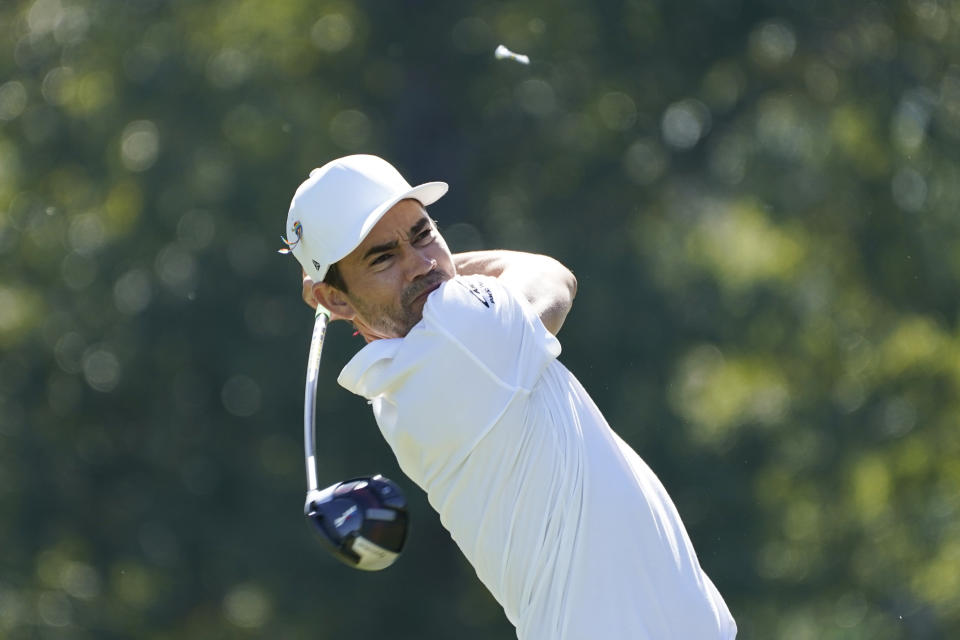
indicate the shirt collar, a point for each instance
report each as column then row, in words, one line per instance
column 354, row 376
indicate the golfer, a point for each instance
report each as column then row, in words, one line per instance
column 563, row 522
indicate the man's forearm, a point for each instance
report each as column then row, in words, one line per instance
column 546, row 284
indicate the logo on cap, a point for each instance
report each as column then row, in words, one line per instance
column 298, row 232
column 316, row 265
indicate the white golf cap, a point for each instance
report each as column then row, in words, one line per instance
column 336, row 207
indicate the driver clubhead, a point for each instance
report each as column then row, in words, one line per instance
column 363, row 521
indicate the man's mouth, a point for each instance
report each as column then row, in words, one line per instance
column 423, row 296
column 422, row 291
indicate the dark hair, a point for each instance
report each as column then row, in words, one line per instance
column 335, row 279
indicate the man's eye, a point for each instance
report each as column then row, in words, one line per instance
column 424, row 235
column 380, row 259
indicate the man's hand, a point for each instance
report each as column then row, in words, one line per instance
column 547, row 285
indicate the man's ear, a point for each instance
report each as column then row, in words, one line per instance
column 335, row 301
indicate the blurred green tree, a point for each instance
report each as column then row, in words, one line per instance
column 759, row 200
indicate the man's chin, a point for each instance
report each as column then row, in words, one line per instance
column 409, row 315
column 400, row 329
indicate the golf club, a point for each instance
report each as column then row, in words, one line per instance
column 362, row 521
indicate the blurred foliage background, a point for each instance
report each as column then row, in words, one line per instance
column 760, row 200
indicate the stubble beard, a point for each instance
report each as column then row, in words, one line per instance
column 397, row 320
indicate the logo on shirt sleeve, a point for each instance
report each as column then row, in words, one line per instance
column 478, row 291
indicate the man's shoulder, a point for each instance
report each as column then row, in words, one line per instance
column 479, row 288
column 470, row 298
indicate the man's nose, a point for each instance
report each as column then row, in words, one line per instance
column 419, row 263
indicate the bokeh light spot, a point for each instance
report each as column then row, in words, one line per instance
column 821, row 81
column 13, row 99
column 44, row 15
column 645, row 161
column 59, row 86
column 772, row 44
column 80, row 580
column 780, row 128
column 139, row 145
column 723, row 85
column 101, row 369
column 332, row 33
column 228, row 68
column 241, row 396
column 123, row 206
column 92, row 92
column 728, row 158
column 684, row 123
column 20, row 311
column 536, row 97
column 909, row 190
column 133, row 584
column 132, row 292
column 54, row 609
column 78, row 271
column 850, row 609
column 69, row 352
column 247, row 606
column 85, row 234
column 176, row 268
column 72, row 26
column 909, row 127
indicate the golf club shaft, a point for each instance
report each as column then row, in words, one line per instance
column 310, row 396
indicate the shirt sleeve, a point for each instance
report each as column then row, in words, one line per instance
column 496, row 326
column 436, row 392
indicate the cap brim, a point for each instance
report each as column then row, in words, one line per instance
column 426, row 194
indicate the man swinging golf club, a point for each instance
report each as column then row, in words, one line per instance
column 563, row 522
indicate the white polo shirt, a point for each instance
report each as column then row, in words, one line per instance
column 566, row 526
